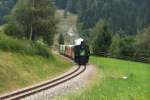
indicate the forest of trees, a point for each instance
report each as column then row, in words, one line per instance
column 124, row 16
column 117, row 28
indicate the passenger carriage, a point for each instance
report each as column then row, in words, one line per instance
column 73, row 52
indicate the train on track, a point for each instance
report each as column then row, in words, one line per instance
column 79, row 52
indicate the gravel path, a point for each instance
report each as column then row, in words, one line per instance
column 67, row 87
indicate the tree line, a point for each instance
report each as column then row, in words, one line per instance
column 104, row 43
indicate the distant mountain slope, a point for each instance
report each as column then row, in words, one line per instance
column 5, row 8
column 125, row 16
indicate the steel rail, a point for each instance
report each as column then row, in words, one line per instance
column 33, row 90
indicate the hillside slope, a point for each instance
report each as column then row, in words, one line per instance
column 17, row 70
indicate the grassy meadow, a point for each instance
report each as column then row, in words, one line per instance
column 110, row 85
column 20, row 70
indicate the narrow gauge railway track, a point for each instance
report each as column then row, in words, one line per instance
column 44, row 86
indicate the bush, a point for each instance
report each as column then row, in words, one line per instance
column 142, row 43
column 115, row 47
column 15, row 30
column 122, row 47
column 23, row 46
column 42, row 50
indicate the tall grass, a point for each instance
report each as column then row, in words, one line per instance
column 23, row 46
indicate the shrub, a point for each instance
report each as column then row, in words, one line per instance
column 122, row 47
column 42, row 50
column 115, row 47
column 15, row 30
column 142, row 43
column 23, row 46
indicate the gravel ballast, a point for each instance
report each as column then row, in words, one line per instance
column 75, row 84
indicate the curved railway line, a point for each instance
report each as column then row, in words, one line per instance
column 44, row 86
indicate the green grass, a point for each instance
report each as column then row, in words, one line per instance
column 17, row 70
column 109, row 84
column 1, row 28
column 23, row 46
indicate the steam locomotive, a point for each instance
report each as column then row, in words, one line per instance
column 78, row 52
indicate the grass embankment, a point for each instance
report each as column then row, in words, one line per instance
column 17, row 70
column 110, row 85
column 23, row 46
column 23, row 63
